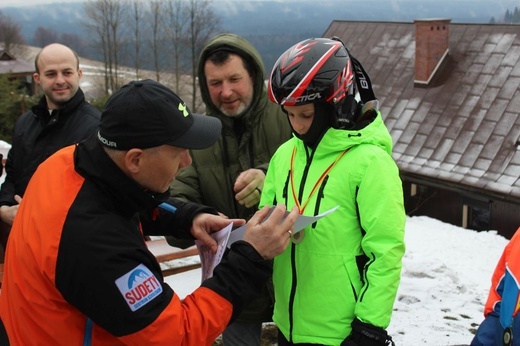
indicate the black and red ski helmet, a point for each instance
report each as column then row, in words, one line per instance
column 313, row 70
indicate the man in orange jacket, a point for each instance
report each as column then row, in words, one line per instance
column 77, row 270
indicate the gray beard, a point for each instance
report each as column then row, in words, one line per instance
column 239, row 113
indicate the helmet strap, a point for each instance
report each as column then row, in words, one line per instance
column 364, row 86
column 350, row 111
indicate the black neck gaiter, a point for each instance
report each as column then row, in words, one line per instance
column 321, row 122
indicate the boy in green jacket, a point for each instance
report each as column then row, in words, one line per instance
column 337, row 282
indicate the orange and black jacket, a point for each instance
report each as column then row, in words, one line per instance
column 78, row 272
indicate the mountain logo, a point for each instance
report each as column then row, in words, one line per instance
column 138, row 287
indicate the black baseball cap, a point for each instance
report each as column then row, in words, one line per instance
column 145, row 114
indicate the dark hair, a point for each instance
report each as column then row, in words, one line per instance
column 38, row 57
column 222, row 54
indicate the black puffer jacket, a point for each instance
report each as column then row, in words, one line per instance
column 38, row 135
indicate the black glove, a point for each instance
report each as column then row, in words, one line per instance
column 364, row 334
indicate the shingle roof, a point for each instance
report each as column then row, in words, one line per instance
column 8, row 64
column 463, row 128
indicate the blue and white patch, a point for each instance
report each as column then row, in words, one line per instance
column 139, row 286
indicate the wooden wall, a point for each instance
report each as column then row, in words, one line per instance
column 481, row 213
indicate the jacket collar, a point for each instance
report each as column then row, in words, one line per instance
column 336, row 140
column 41, row 110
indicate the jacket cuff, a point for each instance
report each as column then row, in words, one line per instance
column 185, row 214
column 263, row 167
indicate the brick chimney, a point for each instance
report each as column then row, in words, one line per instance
column 431, row 47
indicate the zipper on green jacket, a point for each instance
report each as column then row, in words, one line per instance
column 319, row 197
column 293, row 246
column 293, row 290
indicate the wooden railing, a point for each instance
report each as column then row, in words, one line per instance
column 164, row 252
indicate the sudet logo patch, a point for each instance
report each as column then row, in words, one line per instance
column 139, row 286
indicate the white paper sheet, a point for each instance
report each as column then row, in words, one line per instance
column 208, row 259
column 301, row 222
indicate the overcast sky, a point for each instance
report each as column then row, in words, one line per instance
column 16, row 3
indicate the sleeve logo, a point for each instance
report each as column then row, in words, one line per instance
column 138, row 287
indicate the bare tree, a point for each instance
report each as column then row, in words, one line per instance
column 177, row 31
column 202, row 25
column 11, row 36
column 137, row 14
column 115, row 11
column 156, row 8
column 175, row 23
column 104, row 18
column 97, row 23
column 44, row 36
column 74, row 41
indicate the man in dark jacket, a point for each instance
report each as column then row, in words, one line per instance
column 62, row 117
column 229, row 175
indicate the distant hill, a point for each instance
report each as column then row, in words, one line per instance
column 273, row 26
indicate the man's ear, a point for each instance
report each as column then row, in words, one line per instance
column 133, row 158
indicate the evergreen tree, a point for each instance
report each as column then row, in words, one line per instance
column 512, row 17
column 516, row 16
column 13, row 103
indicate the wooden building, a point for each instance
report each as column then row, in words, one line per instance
column 450, row 97
column 19, row 70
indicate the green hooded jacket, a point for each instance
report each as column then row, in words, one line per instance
column 210, row 178
column 348, row 263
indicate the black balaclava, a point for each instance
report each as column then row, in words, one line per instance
column 322, row 121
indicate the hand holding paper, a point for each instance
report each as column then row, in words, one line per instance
column 269, row 235
column 204, row 224
column 301, row 222
column 258, row 224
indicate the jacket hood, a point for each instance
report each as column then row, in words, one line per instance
column 243, row 48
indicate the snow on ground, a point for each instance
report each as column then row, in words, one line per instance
column 445, row 281
column 4, row 149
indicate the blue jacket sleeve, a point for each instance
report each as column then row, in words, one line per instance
column 487, row 331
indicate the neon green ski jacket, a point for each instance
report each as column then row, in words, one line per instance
column 348, row 263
